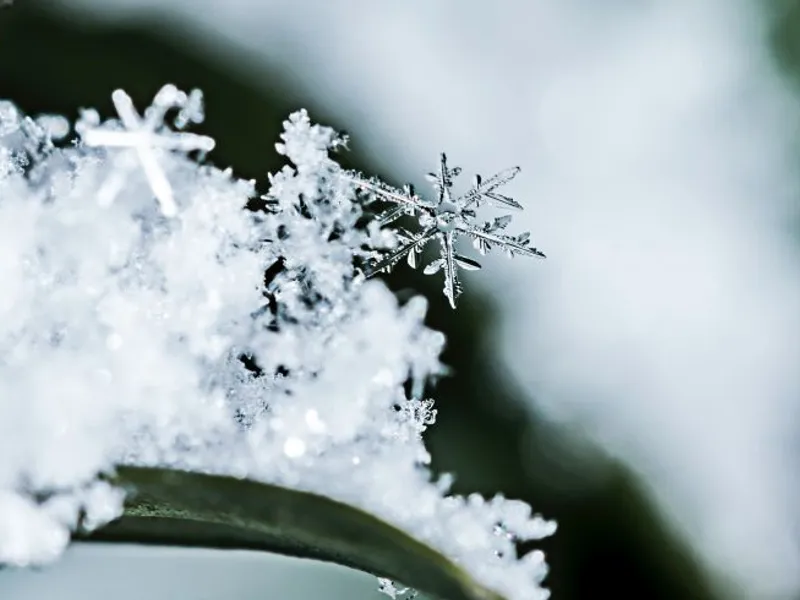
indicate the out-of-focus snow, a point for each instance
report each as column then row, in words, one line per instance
column 130, row 572
column 654, row 143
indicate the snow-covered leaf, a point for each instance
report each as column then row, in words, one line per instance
column 148, row 321
column 167, row 507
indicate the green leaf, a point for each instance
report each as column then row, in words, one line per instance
column 180, row 508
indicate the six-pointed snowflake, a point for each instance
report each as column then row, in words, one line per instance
column 446, row 219
column 147, row 135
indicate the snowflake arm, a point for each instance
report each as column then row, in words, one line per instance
column 443, row 179
column 391, row 215
column 413, row 245
column 485, row 189
column 452, row 286
column 406, row 201
column 387, row 193
column 485, row 240
column 449, row 261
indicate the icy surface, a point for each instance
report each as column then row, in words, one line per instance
column 137, row 326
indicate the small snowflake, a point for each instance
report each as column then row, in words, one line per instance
column 444, row 220
column 389, row 588
column 147, row 136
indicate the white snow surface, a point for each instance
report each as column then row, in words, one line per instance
column 133, row 282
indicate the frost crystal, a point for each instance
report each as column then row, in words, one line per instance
column 147, row 318
column 388, row 587
column 446, row 219
column 146, row 136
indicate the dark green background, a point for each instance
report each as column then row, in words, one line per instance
column 610, row 540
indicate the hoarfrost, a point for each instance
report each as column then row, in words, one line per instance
column 146, row 318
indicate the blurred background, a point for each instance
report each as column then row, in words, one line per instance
column 640, row 386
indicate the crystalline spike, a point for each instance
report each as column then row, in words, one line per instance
column 123, row 104
column 505, row 242
column 391, row 215
column 504, row 200
column 484, row 189
column 444, row 172
column 451, row 285
column 385, row 193
column 158, row 182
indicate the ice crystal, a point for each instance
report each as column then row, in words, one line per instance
column 146, row 136
column 444, row 220
column 389, row 588
column 148, row 318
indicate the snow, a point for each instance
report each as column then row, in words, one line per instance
column 133, row 285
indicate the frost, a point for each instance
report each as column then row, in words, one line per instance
column 147, row 318
column 446, row 219
column 388, row 587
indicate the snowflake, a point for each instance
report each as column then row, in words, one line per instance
column 146, row 136
column 444, row 220
column 390, row 588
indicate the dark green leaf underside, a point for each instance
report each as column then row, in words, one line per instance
column 179, row 508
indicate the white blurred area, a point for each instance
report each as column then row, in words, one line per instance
column 655, row 139
column 127, row 572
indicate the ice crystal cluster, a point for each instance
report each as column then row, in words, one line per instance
column 148, row 318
